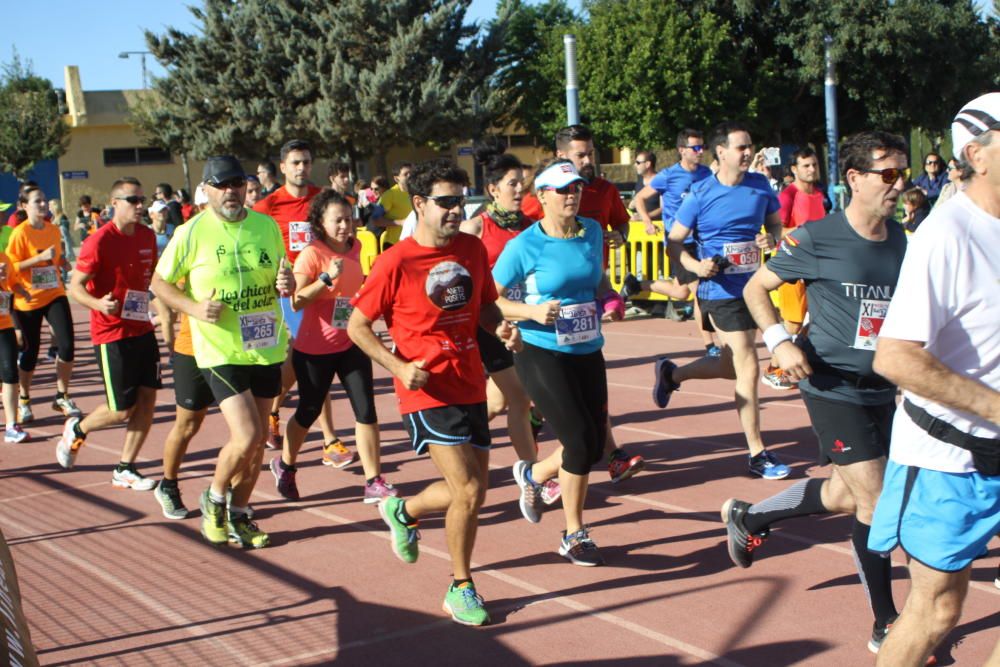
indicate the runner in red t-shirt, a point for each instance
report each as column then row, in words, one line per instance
column 600, row 201
column 434, row 290
column 112, row 279
column 289, row 206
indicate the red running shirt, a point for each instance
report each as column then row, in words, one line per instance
column 431, row 299
column 123, row 265
column 291, row 214
column 495, row 237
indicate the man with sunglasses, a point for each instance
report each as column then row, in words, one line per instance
column 941, row 494
column 232, row 263
column 112, row 279
column 850, row 263
column 725, row 214
column 933, row 179
column 435, row 291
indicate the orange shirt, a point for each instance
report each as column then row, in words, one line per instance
column 6, row 321
column 182, row 343
column 43, row 281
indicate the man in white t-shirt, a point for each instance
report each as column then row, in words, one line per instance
column 940, row 344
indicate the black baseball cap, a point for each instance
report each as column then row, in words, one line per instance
column 222, row 168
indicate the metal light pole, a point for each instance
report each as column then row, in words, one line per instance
column 572, row 93
column 832, row 133
column 142, row 55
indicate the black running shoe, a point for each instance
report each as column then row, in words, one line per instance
column 740, row 542
column 878, row 635
column 631, row 287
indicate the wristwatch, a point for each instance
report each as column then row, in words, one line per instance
column 327, row 280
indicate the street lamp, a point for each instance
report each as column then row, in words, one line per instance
column 142, row 55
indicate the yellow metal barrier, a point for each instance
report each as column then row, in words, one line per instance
column 644, row 254
column 369, row 249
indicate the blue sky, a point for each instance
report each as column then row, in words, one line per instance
column 91, row 34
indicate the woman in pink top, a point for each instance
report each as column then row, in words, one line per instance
column 327, row 274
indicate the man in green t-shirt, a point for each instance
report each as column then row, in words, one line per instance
column 394, row 204
column 232, row 263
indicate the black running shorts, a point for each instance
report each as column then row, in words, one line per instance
column 495, row 355
column 230, row 380
column 849, row 432
column 449, row 426
column 126, row 365
column 190, row 388
column 727, row 314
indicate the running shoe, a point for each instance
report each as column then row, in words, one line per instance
column 465, row 605
column 130, row 478
column 551, row 492
column 244, row 532
column 775, row 378
column 274, row 438
column 630, row 288
column 879, row 634
column 740, row 542
column 229, row 503
column 530, row 500
column 404, row 536
column 24, row 413
column 213, row 519
column 663, row 385
column 284, row 480
column 622, row 466
column 579, row 549
column 66, row 406
column 69, row 444
column 52, row 354
column 378, row 490
column 170, row 501
column 713, row 351
column 14, row 434
column 337, row 455
column 768, row 466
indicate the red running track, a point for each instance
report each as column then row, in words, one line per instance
column 108, row 581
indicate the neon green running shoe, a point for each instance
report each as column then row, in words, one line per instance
column 465, row 605
column 213, row 519
column 244, row 532
column 404, row 537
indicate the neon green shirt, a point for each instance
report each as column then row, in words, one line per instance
column 396, row 203
column 239, row 260
column 5, row 233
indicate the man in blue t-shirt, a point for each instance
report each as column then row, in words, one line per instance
column 672, row 185
column 725, row 214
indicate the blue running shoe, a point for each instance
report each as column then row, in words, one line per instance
column 663, row 385
column 768, row 466
column 713, row 351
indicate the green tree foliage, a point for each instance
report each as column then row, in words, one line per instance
column 355, row 76
column 648, row 69
column 31, row 125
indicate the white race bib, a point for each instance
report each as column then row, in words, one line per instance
column 342, row 310
column 299, row 236
column 136, row 306
column 871, row 315
column 258, row 330
column 577, row 324
column 743, row 257
column 44, row 277
column 5, row 303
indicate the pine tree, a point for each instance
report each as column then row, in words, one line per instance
column 31, row 124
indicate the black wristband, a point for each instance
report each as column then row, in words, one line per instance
column 327, row 280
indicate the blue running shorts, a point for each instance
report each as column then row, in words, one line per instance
column 942, row 519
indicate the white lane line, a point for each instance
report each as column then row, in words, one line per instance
column 722, row 397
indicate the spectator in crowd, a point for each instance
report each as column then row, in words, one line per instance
column 187, row 208
column 394, row 203
column 954, row 184
column 645, row 170
column 86, row 218
column 340, row 181
column 267, row 174
column 60, row 220
column 915, row 208
column 165, row 193
column 254, row 189
column 933, row 179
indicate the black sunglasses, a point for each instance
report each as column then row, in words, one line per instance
column 134, row 200
column 570, row 189
column 448, row 201
column 234, row 183
column 889, row 175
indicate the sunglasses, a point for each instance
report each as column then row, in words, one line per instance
column 930, row 162
column 641, row 161
column 234, row 183
column 889, row 175
column 448, row 201
column 571, row 189
column 134, row 200
column 697, row 148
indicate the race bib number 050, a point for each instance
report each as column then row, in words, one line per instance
column 577, row 324
column 871, row 315
column 299, row 236
column 743, row 257
column 258, row 330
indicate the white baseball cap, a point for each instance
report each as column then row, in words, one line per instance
column 558, row 175
column 157, row 206
column 976, row 117
column 200, row 198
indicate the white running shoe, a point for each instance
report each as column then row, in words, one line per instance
column 69, row 444
column 66, row 406
column 24, row 413
column 14, row 434
column 130, row 478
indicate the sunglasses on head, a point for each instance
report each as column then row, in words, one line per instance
column 448, row 201
column 134, row 200
column 570, row 189
column 234, row 183
column 889, row 175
